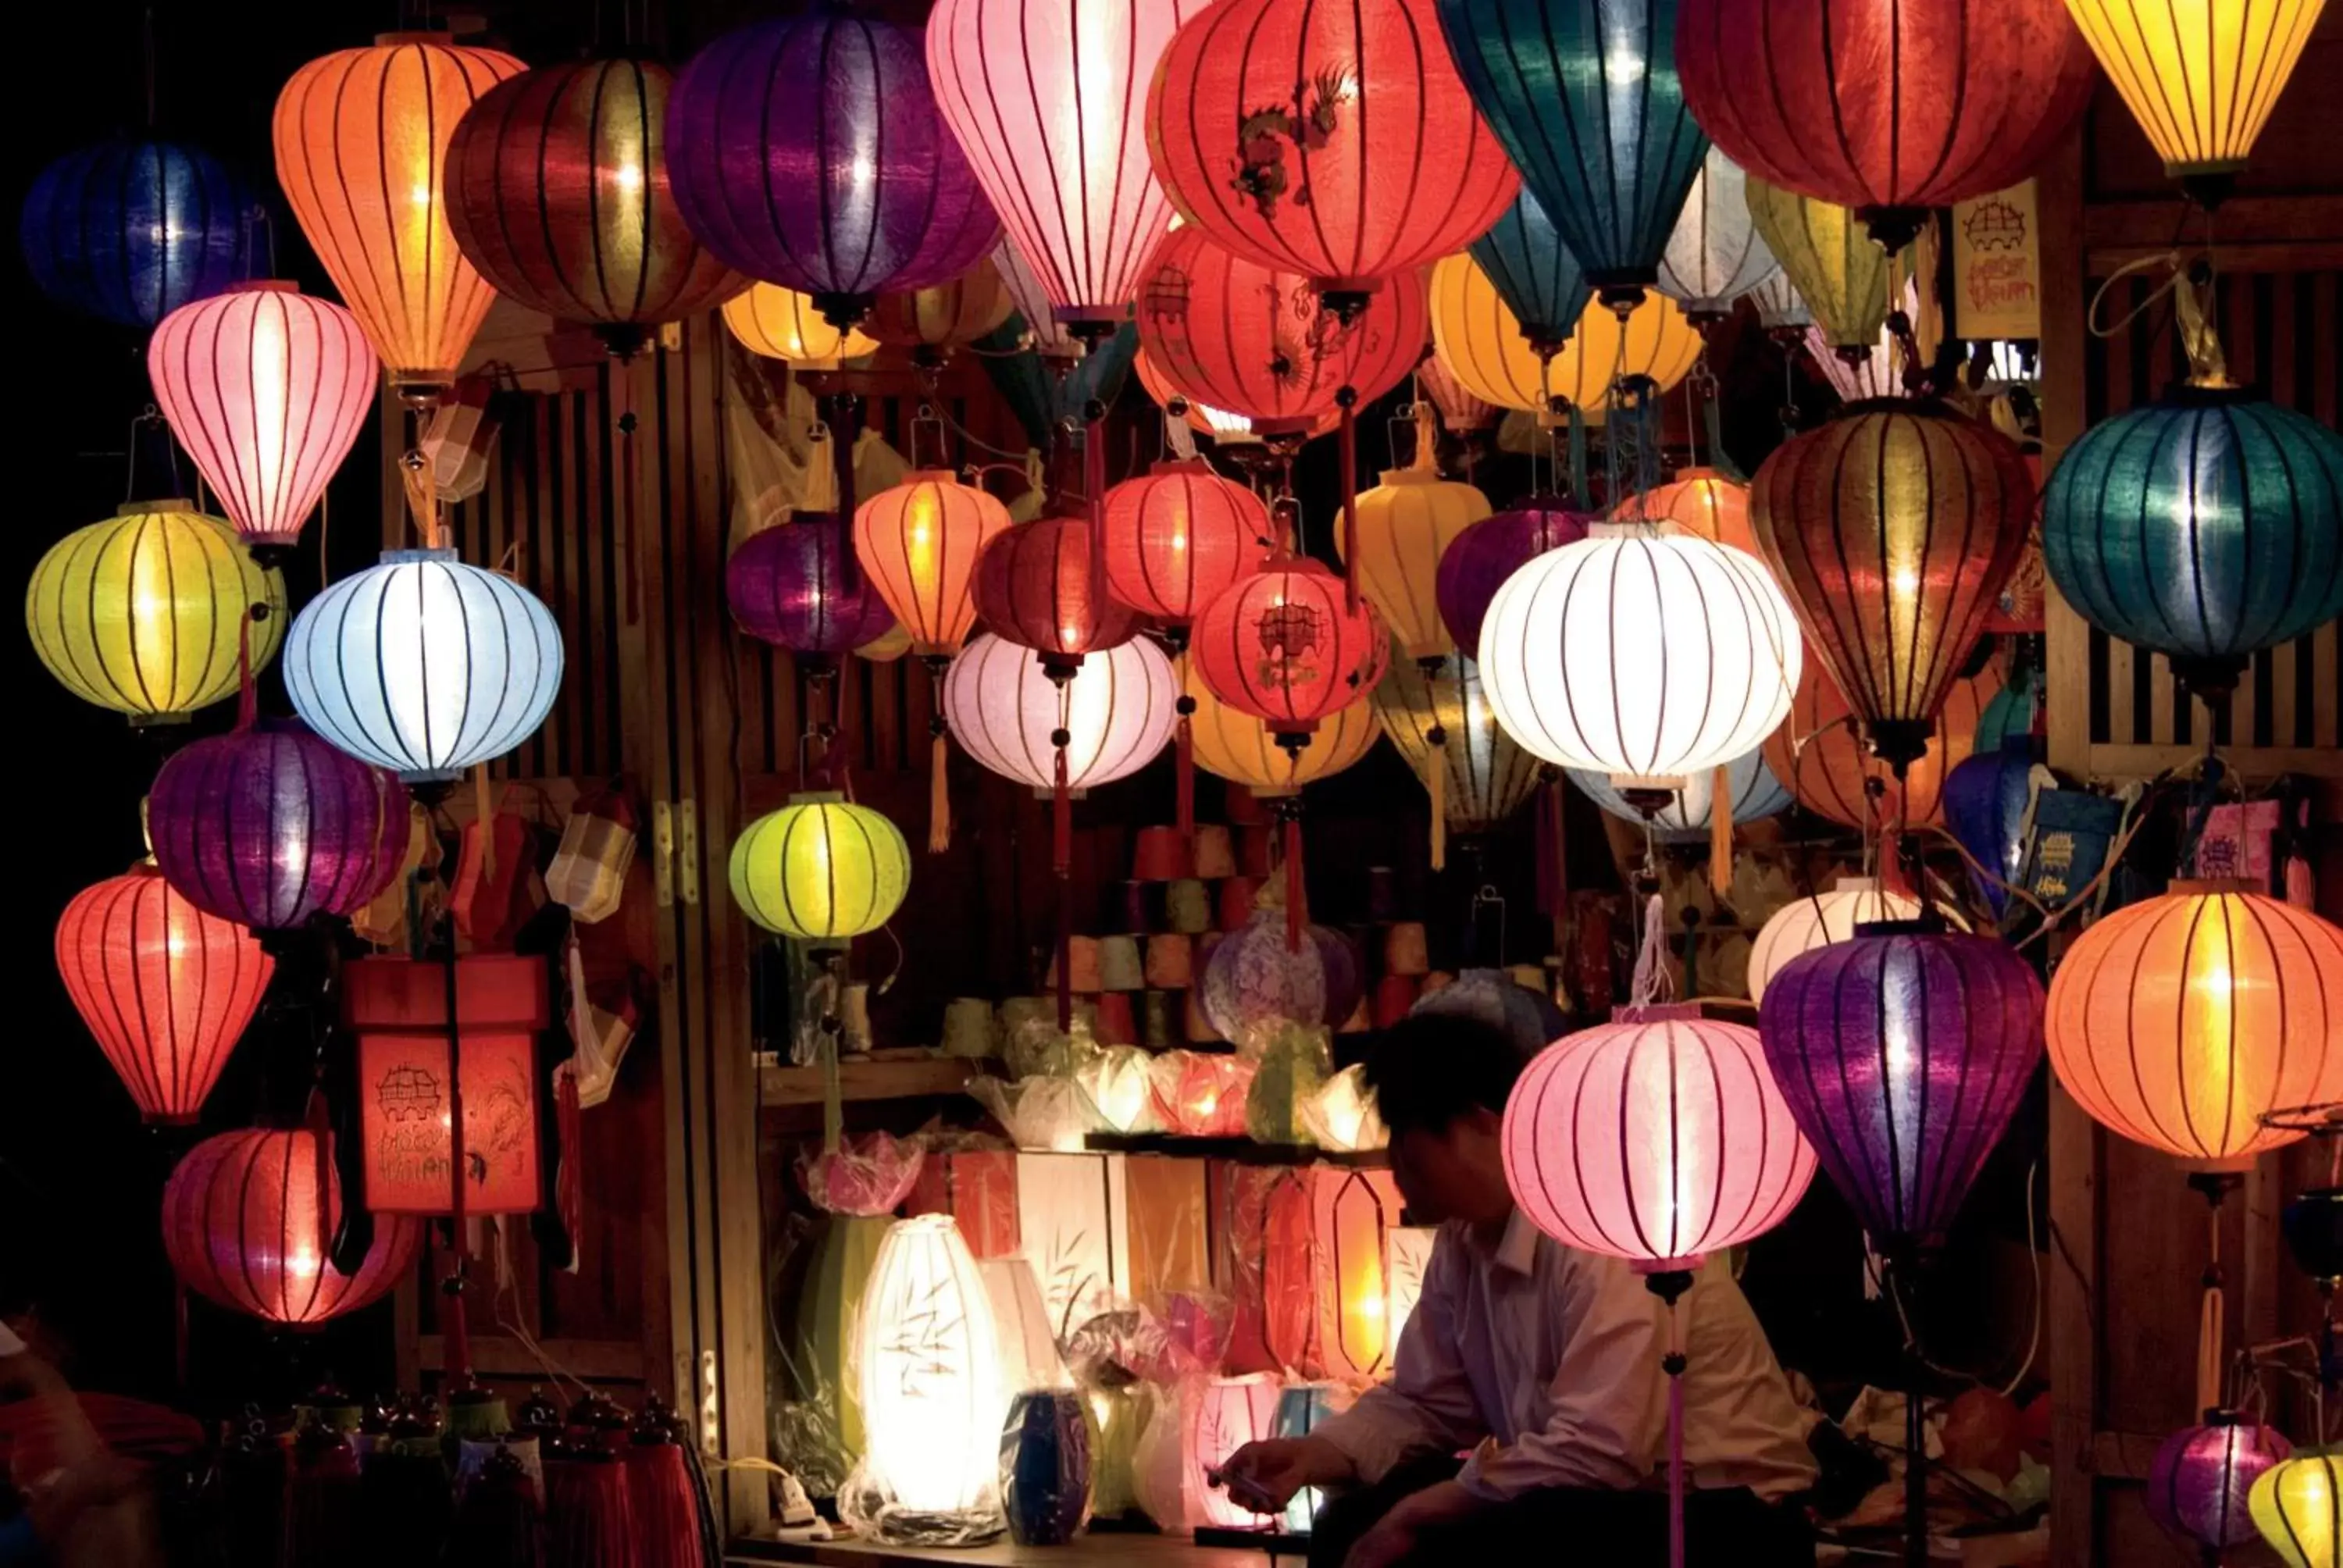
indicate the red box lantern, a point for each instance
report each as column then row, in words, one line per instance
column 979, row 1189
column 398, row 1009
column 1262, row 1261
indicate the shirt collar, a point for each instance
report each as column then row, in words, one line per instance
column 1518, row 1249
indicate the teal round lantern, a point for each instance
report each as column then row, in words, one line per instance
column 2204, row 526
column 1533, row 273
column 1585, row 98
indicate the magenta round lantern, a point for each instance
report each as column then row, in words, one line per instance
column 2197, row 1487
column 1477, row 562
column 797, row 585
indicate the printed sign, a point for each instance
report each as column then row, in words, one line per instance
column 1998, row 265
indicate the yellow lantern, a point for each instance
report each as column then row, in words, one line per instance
column 931, row 322
column 1443, row 724
column 821, row 868
column 1404, row 525
column 1478, row 338
column 2201, row 77
column 144, row 612
column 783, row 324
column 2298, row 1505
column 361, row 141
column 1660, row 342
column 1238, row 747
column 1836, row 267
column 919, row 540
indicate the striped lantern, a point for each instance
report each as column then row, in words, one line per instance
column 821, row 869
column 1835, row 270
column 1440, row 719
column 918, row 542
column 1117, row 713
column 1405, row 526
column 1817, row 920
column 783, row 324
column 931, row 322
column 1284, row 646
column 1819, row 753
column 1536, row 276
column 1178, row 535
column 1714, row 254
column 1042, row 585
column 1477, row 561
column 1240, row 748
column 131, row 230
column 1687, row 818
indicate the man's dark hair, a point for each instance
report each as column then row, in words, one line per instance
column 1428, row 1069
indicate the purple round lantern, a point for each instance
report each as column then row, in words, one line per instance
column 1478, row 561
column 1253, row 981
column 796, row 584
column 1985, row 799
column 2197, row 1485
column 1902, row 1054
column 807, row 151
column 269, row 825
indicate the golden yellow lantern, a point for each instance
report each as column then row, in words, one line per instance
column 361, row 141
column 919, row 541
column 1235, row 746
column 931, row 321
column 1836, row 267
column 1660, row 342
column 783, row 324
column 144, row 613
column 1442, row 722
column 1406, row 524
column 1478, row 338
column 821, row 869
column 1696, row 501
column 2298, row 1506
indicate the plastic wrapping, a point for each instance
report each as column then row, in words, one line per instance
column 817, row 1412
column 973, row 1179
column 1164, row 1213
column 1342, row 1115
column 1039, row 1112
column 1031, row 1044
column 1118, row 1417
column 1227, row 1413
column 1115, row 1084
column 1261, row 1261
column 1073, row 1214
column 1167, row 1488
column 1294, row 1065
column 865, row 1508
column 867, row 1175
column 1201, row 1094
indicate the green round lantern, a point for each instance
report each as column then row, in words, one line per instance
column 821, row 869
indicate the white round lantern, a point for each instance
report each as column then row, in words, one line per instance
column 1647, row 657
column 424, row 664
column 930, row 1371
column 1120, row 711
column 1819, row 920
column 1714, row 254
column 1685, row 819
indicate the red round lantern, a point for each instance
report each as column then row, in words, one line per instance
column 1887, row 109
column 1336, row 142
column 1041, row 585
column 1286, row 646
column 247, row 1222
column 166, row 988
column 1177, row 536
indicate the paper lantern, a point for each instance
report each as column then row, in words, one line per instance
column 1817, row 920
column 1893, row 528
column 458, row 440
column 145, row 613
column 424, row 664
column 1890, row 111
column 1283, row 646
column 807, row 151
column 398, row 1008
column 796, row 584
column 1047, row 102
column 1477, row 562
column 1658, row 1137
column 1340, row 145
column 1299, row 1408
column 1755, row 792
column 164, row 987
column 361, row 138
column 2178, row 1020
column 1253, row 339
column 1654, row 341
column 1117, row 712
column 130, row 231
column 1903, row 1051
column 1646, row 657
column 1699, row 501
column 918, row 542
column 248, row 1218
column 1351, row 1215
column 1583, row 95
column 1230, row 1413
column 2204, row 526
column 1986, row 799
column 1042, row 585
column 1461, row 411
column 588, row 871
column 1407, row 1254
column 1445, row 714
column 1714, row 254
column 1073, row 1219
column 1837, row 275
column 1045, row 1467
column 1201, row 1094
column 783, row 324
column 929, row 1372
column 1342, row 1116
column 268, row 389
column 1257, row 982
column 558, row 192
column 2298, row 1506
column 1404, row 526
column 1819, row 752
column 821, row 869
column 1116, row 1084
column 1482, row 344
column 1856, row 375
column 2201, row 1477
column 1534, row 274
column 268, row 824
column 1495, row 999
column 1234, row 745
column 1179, row 534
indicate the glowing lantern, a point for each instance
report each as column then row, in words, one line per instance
column 1902, row 1052
column 1714, row 254
column 1819, row 753
column 1340, row 145
column 1779, row 309
column 1893, row 528
column 1042, row 585
column 932, row 321
column 1117, row 714
column 1177, row 536
column 166, row 988
column 929, row 1372
column 1460, row 409
column 1480, row 340
column 146, row 612
column 1407, row 1254
column 1243, row 748
column 1535, row 274
column 1988, row 802
column 1890, row 110
column 1342, row 1116
column 1818, row 920
column 795, row 584
column 424, row 664
column 1283, row 646
column 807, row 151
column 1352, row 1213
column 1676, row 655
column 2298, row 1506
column 268, row 389
column 1699, row 501
column 132, row 230
column 1230, row 1413
column 1117, row 1086
column 1477, row 562
column 362, row 140
column 1689, row 814
column 2200, row 1480
column 821, row 869
column 1047, row 100
column 1405, row 524
column 2178, row 1020
column 918, row 542
column 783, row 324
column 1837, row 275
column 1856, row 375
column 1441, row 720
column 248, row 1218
column 1201, row 1094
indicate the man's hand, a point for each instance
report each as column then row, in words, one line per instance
column 1399, row 1533
column 1274, row 1470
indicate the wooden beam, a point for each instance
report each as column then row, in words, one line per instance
column 780, row 1086
column 2257, row 233
column 503, row 1357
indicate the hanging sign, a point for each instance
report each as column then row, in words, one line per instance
column 1997, row 243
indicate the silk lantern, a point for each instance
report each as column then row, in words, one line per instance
column 796, row 586
column 1461, row 411
column 361, row 138
column 1048, row 101
column 1117, row 714
column 1585, row 98
column 1893, row 528
column 933, row 321
column 1714, row 254
column 132, row 230
column 1648, row 658
column 247, row 1221
column 1404, row 526
column 164, row 988
column 1042, row 585
column 1477, row 562
column 1780, row 310
column 930, row 1371
column 1538, row 276
column 1817, row 920
column 1230, row 1411
column 1340, row 145
column 1987, row 801
column 1257, row 982
column 2298, row 1506
column 154, row 612
column 267, row 389
column 1243, row 748
column 2202, row 1476
column 807, row 151
column 1753, row 791
column 1818, row 751
column 918, row 542
column 2178, row 1020
column 821, row 869
column 1177, row 536
column 1482, row 344
column 1283, row 646
column 424, row 664
column 783, row 324
column 1889, row 111
column 1698, row 500
column 2203, row 526
column 1440, row 721
column 1856, row 375
column 1837, row 274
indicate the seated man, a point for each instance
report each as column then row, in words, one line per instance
column 1543, row 1362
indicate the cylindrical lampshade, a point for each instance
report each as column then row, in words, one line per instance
column 361, row 141
column 918, row 542
column 1714, row 254
column 1819, row 753
column 796, row 584
column 1119, row 711
column 1037, row 587
column 1659, row 1138
column 1230, row 1413
column 1691, row 805
column 1404, row 526
column 1698, row 501
column 1837, row 274
column 2202, row 91
column 1234, row 745
column 1817, row 920
column 1283, row 646
column 2298, row 1506
column 1178, row 535
column 131, row 231
column 268, row 389
column 166, row 988
column 929, row 1371
column 931, row 321
column 424, row 664
column 784, row 323
column 1534, row 274
column 821, row 869
column 1477, row 562
column 2200, row 1480
column 1445, row 711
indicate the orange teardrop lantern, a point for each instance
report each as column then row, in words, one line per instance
column 1819, row 753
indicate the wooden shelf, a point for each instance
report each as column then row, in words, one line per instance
column 897, row 1079
column 1237, row 1151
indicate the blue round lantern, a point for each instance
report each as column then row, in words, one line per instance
column 1584, row 97
column 1533, row 273
column 132, row 230
column 1045, row 1467
column 424, row 664
column 2207, row 526
column 1985, row 796
column 1685, row 819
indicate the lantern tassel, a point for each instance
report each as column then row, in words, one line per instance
column 1061, row 820
column 1675, row 1449
column 1185, row 743
column 321, row 1132
column 2211, row 1328
column 1348, row 398
column 939, row 794
column 1292, row 878
column 1436, row 783
column 1720, row 830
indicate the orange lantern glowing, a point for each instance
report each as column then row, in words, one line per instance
column 920, row 541
column 1819, row 753
column 1233, row 744
column 1696, row 501
column 1352, row 1213
column 1178, row 535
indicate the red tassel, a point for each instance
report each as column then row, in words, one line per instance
column 665, row 1504
column 321, row 1135
column 1350, row 463
column 1185, row 742
column 1293, row 883
column 569, row 1180
column 589, row 1520
column 1061, row 822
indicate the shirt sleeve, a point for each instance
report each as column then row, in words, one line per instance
column 1608, row 1394
column 1428, row 1406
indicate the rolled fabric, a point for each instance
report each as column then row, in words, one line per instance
column 1083, row 967
column 1235, row 895
column 1156, row 1012
column 1118, row 966
column 1171, row 962
column 1253, row 849
column 1405, row 952
column 1215, row 853
column 1394, row 994
column 1187, row 907
column 1195, row 1024
column 968, row 1026
column 1163, row 855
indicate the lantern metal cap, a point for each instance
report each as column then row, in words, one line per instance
column 2209, row 887
column 816, row 797
column 2189, row 394
column 413, row 35
column 1659, row 1012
